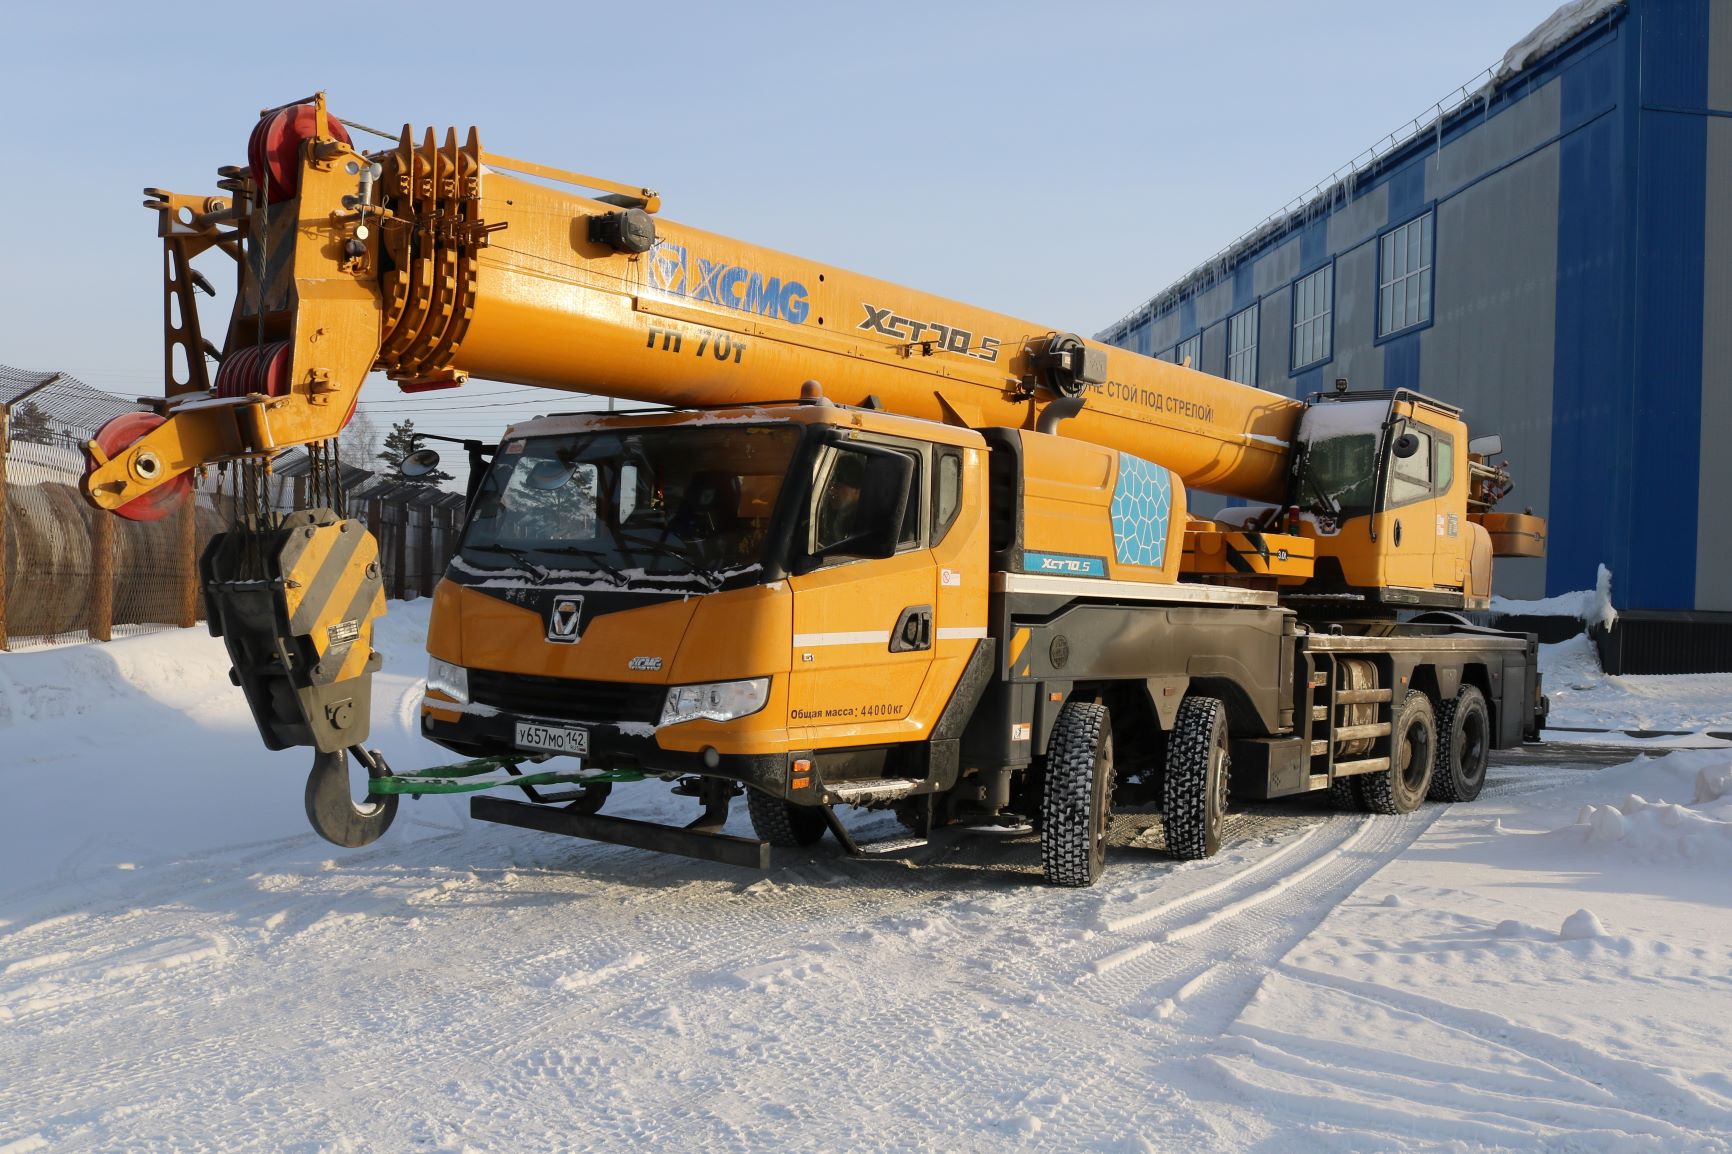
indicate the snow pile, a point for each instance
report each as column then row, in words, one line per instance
column 1589, row 606
column 1697, row 831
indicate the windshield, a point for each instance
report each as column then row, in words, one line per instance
column 1339, row 477
column 632, row 507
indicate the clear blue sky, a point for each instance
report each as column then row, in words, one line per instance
column 1059, row 162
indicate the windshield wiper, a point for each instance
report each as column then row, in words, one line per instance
column 517, row 555
column 712, row 573
column 596, row 555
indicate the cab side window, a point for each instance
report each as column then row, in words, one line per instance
column 850, row 515
column 1442, row 464
column 946, row 491
column 1410, row 477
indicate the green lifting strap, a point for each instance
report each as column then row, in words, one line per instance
column 459, row 778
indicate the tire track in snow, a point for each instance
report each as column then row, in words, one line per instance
column 1415, row 1066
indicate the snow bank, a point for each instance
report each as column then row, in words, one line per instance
column 1583, row 695
column 157, row 757
column 1589, row 606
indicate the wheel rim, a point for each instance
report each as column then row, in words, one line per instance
column 1417, row 743
column 1217, row 787
column 1103, row 807
column 1473, row 746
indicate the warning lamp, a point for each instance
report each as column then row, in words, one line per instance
column 812, row 393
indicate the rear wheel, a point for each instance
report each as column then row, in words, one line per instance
column 1463, row 747
column 1412, row 750
column 782, row 823
column 1194, row 799
column 1076, row 801
column 1344, row 792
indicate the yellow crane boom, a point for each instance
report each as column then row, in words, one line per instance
column 436, row 261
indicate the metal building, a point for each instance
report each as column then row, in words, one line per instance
column 1551, row 248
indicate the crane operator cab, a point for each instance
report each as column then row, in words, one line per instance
column 1394, row 501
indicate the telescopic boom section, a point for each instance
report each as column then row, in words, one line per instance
column 434, row 261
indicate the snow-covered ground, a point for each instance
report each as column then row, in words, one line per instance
column 183, row 966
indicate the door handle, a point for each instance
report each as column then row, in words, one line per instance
column 1398, row 532
column 913, row 630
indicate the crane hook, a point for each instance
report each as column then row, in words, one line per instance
column 335, row 815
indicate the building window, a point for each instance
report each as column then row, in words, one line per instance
column 1313, row 318
column 1404, row 277
column 1189, row 352
column 1242, row 347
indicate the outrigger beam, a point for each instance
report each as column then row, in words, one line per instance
column 694, row 843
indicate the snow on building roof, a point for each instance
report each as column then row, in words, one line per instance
column 1554, row 32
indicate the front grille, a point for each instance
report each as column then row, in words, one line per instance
column 566, row 698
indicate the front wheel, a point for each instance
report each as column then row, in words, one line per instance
column 1412, row 750
column 782, row 823
column 1076, row 800
column 1194, row 797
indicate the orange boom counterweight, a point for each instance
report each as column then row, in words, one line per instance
column 878, row 548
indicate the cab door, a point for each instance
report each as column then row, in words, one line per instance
column 1407, row 522
column 865, row 586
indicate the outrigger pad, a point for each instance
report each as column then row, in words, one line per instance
column 296, row 606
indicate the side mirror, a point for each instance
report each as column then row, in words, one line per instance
column 1406, row 445
column 1488, row 446
column 419, row 463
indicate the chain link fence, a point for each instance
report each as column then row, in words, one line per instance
column 70, row 573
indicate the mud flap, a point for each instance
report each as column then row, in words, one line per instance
column 295, row 606
column 335, row 815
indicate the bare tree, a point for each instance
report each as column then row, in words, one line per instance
column 360, row 443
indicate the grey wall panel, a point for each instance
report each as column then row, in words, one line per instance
column 1491, row 347
column 1519, row 128
column 1359, row 220
column 1274, row 341
column 1164, row 333
column 1720, row 56
column 1276, row 267
column 1216, row 304
column 1357, row 356
column 1713, row 535
column 1214, row 350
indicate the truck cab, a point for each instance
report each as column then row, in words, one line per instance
column 725, row 592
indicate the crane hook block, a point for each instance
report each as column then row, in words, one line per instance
column 295, row 606
column 632, row 230
column 1067, row 364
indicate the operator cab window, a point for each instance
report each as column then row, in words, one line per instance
column 1410, row 477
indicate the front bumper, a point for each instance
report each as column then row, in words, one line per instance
column 612, row 746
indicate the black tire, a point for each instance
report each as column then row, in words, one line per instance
column 1344, row 792
column 1413, row 750
column 1076, row 802
column 1463, row 747
column 1194, row 795
column 782, row 823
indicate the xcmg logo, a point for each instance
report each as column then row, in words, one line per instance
column 696, row 279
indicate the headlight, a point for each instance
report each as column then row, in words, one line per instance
column 451, row 680
column 715, row 701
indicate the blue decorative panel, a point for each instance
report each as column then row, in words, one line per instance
column 1142, row 502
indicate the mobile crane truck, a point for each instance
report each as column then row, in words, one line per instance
column 871, row 547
